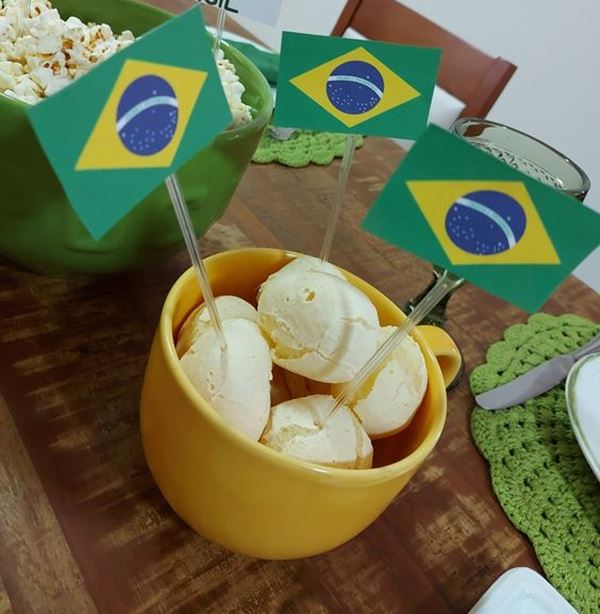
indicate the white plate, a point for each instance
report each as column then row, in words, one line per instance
column 240, row 39
column 582, row 392
column 522, row 591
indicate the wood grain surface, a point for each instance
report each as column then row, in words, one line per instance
column 83, row 527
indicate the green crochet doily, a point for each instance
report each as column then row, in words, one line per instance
column 538, row 471
column 302, row 148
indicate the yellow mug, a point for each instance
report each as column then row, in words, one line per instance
column 243, row 495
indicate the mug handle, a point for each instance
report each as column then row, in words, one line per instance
column 445, row 350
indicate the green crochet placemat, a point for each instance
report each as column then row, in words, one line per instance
column 302, row 148
column 538, row 472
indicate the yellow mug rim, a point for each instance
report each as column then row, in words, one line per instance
column 413, row 460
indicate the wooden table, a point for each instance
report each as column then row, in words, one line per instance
column 83, row 527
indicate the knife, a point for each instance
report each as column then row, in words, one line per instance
column 537, row 381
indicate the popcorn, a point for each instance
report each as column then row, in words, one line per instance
column 26, row 89
column 56, row 84
column 6, row 28
column 48, row 45
column 234, row 89
column 74, row 22
column 42, row 76
column 11, row 68
column 54, row 52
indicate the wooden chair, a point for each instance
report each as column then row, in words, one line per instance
column 465, row 72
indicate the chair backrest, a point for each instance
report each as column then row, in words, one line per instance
column 465, row 72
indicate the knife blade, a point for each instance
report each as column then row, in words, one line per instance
column 535, row 382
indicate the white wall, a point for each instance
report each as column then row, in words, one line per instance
column 313, row 16
column 555, row 93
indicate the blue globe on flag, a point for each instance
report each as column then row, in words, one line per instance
column 486, row 222
column 355, row 87
column 147, row 115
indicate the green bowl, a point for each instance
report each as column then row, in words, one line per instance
column 39, row 229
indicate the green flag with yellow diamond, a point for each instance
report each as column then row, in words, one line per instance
column 463, row 210
column 354, row 86
column 115, row 134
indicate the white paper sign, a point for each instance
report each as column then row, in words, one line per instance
column 266, row 11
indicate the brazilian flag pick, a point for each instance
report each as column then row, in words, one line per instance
column 354, row 86
column 117, row 133
column 466, row 211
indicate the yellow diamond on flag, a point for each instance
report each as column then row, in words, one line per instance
column 144, row 119
column 355, row 87
column 484, row 222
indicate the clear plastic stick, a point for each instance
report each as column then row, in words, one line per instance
column 220, row 28
column 340, row 194
column 25, row 8
column 189, row 236
column 446, row 283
